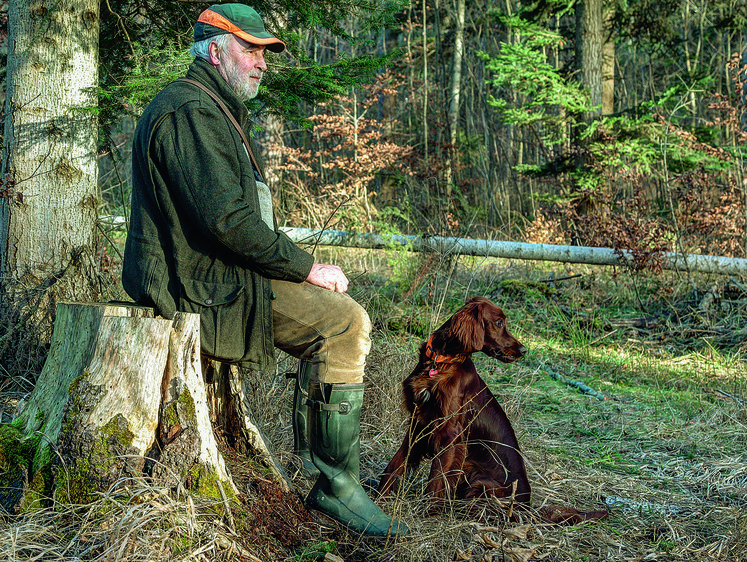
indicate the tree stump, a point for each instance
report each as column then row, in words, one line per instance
column 230, row 410
column 120, row 396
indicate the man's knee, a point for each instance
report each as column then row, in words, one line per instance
column 359, row 319
column 354, row 325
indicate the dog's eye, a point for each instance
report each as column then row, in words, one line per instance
column 499, row 323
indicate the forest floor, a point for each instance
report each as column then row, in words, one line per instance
column 661, row 444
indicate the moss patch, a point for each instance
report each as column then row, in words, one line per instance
column 188, row 405
column 525, row 289
column 101, row 454
column 15, row 462
column 91, row 459
column 25, row 481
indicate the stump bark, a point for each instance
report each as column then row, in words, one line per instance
column 121, row 396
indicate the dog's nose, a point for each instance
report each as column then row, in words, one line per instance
column 522, row 350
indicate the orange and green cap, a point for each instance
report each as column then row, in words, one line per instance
column 239, row 19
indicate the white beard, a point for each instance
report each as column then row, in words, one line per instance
column 244, row 88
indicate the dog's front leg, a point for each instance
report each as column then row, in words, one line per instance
column 446, row 470
column 407, row 458
column 394, row 469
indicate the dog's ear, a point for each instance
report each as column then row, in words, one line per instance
column 468, row 326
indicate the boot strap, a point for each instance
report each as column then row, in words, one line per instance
column 341, row 408
column 295, row 375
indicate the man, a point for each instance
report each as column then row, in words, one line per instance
column 202, row 239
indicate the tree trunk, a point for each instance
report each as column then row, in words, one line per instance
column 228, row 400
column 608, row 63
column 589, row 41
column 456, row 90
column 425, row 82
column 48, row 195
column 449, row 246
column 122, row 396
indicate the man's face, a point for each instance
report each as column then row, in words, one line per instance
column 242, row 65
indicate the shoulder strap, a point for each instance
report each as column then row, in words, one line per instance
column 230, row 116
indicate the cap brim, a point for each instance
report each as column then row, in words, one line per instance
column 272, row 43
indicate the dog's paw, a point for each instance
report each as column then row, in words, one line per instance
column 423, row 396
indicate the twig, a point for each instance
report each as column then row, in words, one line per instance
column 553, row 280
column 738, row 285
column 231, row 522
column 108, row 239
column 579, row 385
column 735, row 398
column 327, row 223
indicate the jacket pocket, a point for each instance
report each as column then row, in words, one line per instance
column 221, row 307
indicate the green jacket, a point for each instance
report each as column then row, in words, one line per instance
column 197, row 242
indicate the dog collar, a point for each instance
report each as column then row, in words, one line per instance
column 431, row 354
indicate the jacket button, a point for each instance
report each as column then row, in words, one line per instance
column 208, row 301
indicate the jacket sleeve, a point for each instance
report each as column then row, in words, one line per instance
column 213, row 189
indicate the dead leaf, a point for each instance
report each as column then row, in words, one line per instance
column 329, row 557
column 461, row 555
column 520, row 554
column 520, row 532
column 490, row 542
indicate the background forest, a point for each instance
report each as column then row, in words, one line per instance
column 592, row 123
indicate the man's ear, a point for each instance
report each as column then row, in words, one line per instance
column 468, row 327
column 213, row 51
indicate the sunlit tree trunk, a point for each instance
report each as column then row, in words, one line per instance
column 425, row 80
column 608, row 63
column 456, row 90
column 48, row 199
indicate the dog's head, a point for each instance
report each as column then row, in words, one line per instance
column 480, row 325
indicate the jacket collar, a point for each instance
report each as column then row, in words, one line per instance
column 207, row 74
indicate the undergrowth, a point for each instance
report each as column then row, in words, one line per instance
column 661, row 444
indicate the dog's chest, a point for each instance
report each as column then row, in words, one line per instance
column 444, row 392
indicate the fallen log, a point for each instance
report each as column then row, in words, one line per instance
column 121, row 395
column 514, row 250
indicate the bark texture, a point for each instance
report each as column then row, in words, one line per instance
column 48, row 194
column 589, row 42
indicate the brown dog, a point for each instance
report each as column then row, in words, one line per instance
column 455, row 419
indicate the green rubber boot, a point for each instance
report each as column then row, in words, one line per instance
column 300, row 415
column 334, row 428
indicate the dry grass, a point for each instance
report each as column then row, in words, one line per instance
column 665, row 453
column 139, row 522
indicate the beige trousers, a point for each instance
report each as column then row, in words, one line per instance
column 329, row 330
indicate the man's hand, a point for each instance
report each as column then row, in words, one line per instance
column 328, row 277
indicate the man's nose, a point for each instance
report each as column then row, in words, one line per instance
column 260, row 63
